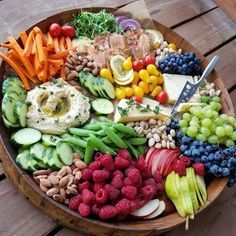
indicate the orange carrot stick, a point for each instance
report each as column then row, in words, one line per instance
column 40, row 50
column 49, row 41
column 34, row 48
column 59, row 55
column 56, row 45
column 38, row 31
column 43, row 73
column 29, row 43
column 62, row 72
column 17, row 70
column 55, row 62
column 6, row 45
column 23, row 37
column 37, row 65
column 68, row 43
column 61, row 43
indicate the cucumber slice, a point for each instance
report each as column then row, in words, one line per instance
column 100, row 86
column 13, row 95
column 22, row 159
column 32, row 165
column 47, row 155
column 11, row 80
column 88, row 84
column 15, row 88
column 36, row 151
column 41, row 165
column 26, row 136
column 23, row 148
column 65, row 153
column 109, row 89
column 102, row 106
column 8, row 105
column 54, row 162
column 8, row 124
column 20, row 111
column 50, row 140
column 96, row 87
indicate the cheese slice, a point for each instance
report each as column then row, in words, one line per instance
column 135, row 113
column 174, row 84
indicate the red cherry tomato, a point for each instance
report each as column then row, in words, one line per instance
column 148, row 59
column 138, row 65
column 55, row 30
column 162, row 97
column 138, row 99
column 68, row 31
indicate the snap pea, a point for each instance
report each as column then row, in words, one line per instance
column 76, row 141
column 95, row 127
column 137, row 141
column 97, row 143
column 114, row 137
column 79, row 151
column 80, row 132
column 89, row 152
column 131, row 149
column 125, row 129
column 93, row 121
column 106, row 140
column 65, row 135
column 101, row 133
column 104, row 119
column 141, row 149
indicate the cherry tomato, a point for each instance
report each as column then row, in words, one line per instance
column 148, row 59
column 162, row 97
column 138, row 99
column 68, row 31
column 55, row 30
column 138, row 65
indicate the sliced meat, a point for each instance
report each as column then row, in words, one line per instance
column 98, row 57
column 145, row 44
column 117, row 41
column 101, row 42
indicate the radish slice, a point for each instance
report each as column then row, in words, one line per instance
column 158, row 211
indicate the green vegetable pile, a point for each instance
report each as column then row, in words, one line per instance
column 90, row 24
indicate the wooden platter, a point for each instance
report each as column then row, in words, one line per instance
column 27, row 186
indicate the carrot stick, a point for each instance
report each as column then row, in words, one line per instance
column 59, row 55
column 17, row 70
column 43, row 73
column 56, row 45
column 49, row 41
column 14, row 55
column 38, row 31
column 23, row 37
column 40, row 50
column 34, row 48
column 62, row 72
column 6, row 45
column 29, row 43
column 61, row 43
column 68, row 43
column 37, row 65
column 55, row 62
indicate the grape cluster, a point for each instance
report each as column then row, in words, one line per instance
column 184, row 64
column 209, row 99
column 217, row 161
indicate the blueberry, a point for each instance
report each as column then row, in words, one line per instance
column 191, row 64
column 233, row 149
column 209, row 148
column 191, row 158
column 214, row 169
column 226, row 152
column 161, row 66
column 180, row 62
column 220, row 170
column 215, row 147
column 185, row 140
column 211, row 157
column 217, row 156
column 183, row 148
column 223, row 163
column 208, row 165
column 167, row 69
column 195, row 152
column 232, row 160
column 206, row 153
column 195, row 143
column 196, row 60
column 187, row 153
column 201, row 150
column 197, row 160
column 204, row 159
column 201, row 144
column 179, row 134
column 226, row 172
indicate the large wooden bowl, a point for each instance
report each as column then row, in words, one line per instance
column 28, row 187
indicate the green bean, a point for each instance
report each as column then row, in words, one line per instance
column 76, row 141
column 80, row 132
column 104, row 119
column 131, row 149
column 97, row 143
column 124, row 129
column 137, row 141
column 114, row 137
column 89, row 152
column 79, row 151
column 101, row 133
column 141, row 150
column 106, row 140
column 95, row 127
column 120, row 134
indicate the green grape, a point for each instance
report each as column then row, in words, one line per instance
column 215, row 114
column 184, row 130
column 213, row 127
column 208, row 114
column 213, row 105
column 193, row 123
column 191, row 110
column 232, row 120
column 229, row 143
column 228, row 130
column 233, row 136
column 224, row 117
column 187, row 116
column 205, row 131
column 192, row 131
column 213, row 139
column 206, row 122
column 205, row 99
column 201, row 138
column 216, row 99
column 194, row 118
column 219, row 121
column 220, row 131
column 183, row 123
column 218, row 106
column 197, row 112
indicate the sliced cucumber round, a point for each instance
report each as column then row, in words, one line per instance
column 22, row 159
column 65, row 153
column 20, row 111
column 10, row 81
column 54, row 162
column 47, row 155
column 26, row 136
column 102, row 106
column 50, row 140
column 108, row 88
column 8, row 124
column 8, row 105
column 36, row 151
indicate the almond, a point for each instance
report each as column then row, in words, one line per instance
column 40, row 172
column 64, row 181
column 80, row 164
column 68, row 169
column 76, row 156
column 62, row 172
column 71, row 180
column 66, row 201
column 43, row 188
column 78, row 175
column 58, row 198
column 63, row 193
column 52, row 191
column 45, row 182
column 71, row 190
column 54, row 179
column 75, row 171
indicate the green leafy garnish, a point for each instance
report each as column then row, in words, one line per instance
column 123, row 111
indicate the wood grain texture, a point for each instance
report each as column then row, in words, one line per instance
column 208, row 31
column 18, row 216
column 1, row 169
column 233, row 97
column 228, row 6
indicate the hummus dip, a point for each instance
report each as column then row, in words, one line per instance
column 54, row 106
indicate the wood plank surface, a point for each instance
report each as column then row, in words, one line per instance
column 233, row 98
column 1, row 169
column 228, row 6
column 208, row 31
column 18, row 217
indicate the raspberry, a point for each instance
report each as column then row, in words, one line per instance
column 95, row 165
column 108, row 212
column 118, row 172
column 199, row 168
column 124, row 153
column 127, row 181
column 113, row 193
column 127, row 170
column 97, row 156
column 107, row 161
column 160, row 188
column 95, row 209
column 157, row 176
column 86, row 174
column 101, row 196
column 146, row 174
column 135, row 176
column 97, row 186
column 84, row 209
column 117, row 181
column 121, row 163
column 83, row 185
column 150, row 181
column 148, row 192
column 73, row 167
column 141, row 164
column 129, row 192
column 124, row 206
column 185, row 160
column 75, row 201
column 136, row 204
column 88, row 197
column 180, row 168
column 100, row 176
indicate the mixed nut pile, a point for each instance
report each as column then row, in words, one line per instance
column 209, row 90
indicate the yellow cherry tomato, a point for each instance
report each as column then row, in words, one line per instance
column 138, row 91
column 106, row 73
column 128, row 91
column 143, row 74
column 152, row 70
column 151, row 87
column 160, row 79
column 144, row 86
column 156, row 90
column 136, row 78
column 172, row 46
column 120, row 94
column 127, row 64
column 154, row 80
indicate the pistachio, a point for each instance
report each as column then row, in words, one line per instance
column 131, row 124
column 140, row 131
column 172, row 145
column 75, row 155
column 162, row 128
column 78, row 175
column 66, row 201
column 152, row 122
column 95, row 71
column 84, row 62
column 63, row 193
column 168, row 144
column 154, row 130
column 86, row 69
column 169, row 137
column 149, row 135
column 145, row 132
column 79, row 68
column 62, row 172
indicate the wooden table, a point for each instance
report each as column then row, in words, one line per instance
column 205, row 26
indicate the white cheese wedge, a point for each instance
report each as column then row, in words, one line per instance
column 173, row 85
column 135, row 113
